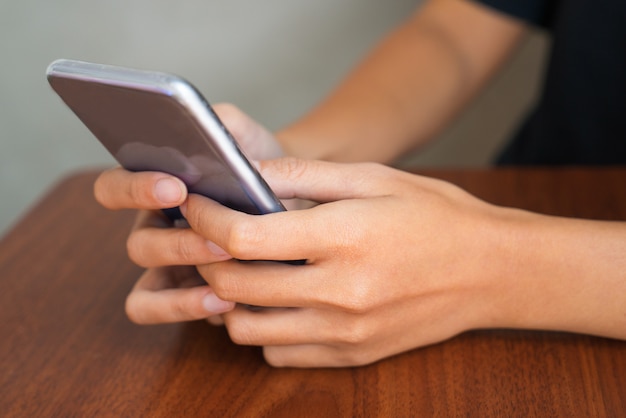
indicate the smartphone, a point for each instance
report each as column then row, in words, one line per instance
column 153, row 121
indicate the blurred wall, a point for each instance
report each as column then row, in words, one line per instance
column 274, row 59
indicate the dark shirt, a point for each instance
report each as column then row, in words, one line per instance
column 581, row 114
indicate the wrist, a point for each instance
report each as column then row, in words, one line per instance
column 560, row 274
column 517, row 252
column 496, row 296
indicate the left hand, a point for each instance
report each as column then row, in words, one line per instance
column 171, row 294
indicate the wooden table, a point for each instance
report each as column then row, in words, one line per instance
column 67, row 349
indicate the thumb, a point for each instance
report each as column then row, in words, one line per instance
column 322, row 181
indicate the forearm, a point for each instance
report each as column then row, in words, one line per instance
column 398, row 97
column 408, row 88
column 564, row 274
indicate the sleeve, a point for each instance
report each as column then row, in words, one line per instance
column 536, row 12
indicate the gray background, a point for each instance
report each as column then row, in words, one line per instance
column 274, row 59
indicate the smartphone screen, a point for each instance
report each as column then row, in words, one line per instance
column 153, row 121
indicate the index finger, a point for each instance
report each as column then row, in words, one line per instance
column 286, row 236
column 118, row 188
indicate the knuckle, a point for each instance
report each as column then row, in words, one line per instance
column 182, row 249
column 356, row 333
column 356, row 305
column 222, row 281
column 139, row 194
column 243, row 238
column 179, row 310
column 360, row 301
column 293, row 167
column 372, row 175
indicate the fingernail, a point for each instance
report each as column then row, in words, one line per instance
column 214, row 304
column 168, row 190
column 216, row 249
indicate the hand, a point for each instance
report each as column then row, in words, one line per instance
column 395, row 261
column 255, row 140
column 170, row 294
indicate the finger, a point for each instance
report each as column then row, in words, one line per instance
column 291, row 235
column 149, row 303
column 323, row 181
column 301, row 337
column 252, row 137
column 151, row 245
column 315, row 355
column 121, row 189
column 280, row 326
column 216, row 320
column 294, row 235
column 281, row 285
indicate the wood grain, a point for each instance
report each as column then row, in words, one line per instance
column 67, row 349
